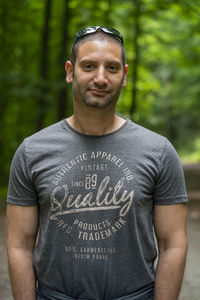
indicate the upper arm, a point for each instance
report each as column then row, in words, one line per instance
column 170, row 225
column 22, row 226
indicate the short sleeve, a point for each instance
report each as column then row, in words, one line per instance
column 21, row 190
column 170, row 182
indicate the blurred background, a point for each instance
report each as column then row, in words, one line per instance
column 162, row 41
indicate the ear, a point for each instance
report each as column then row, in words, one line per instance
column 125, row 76
column 69, row 71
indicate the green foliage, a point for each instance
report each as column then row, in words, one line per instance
column 166, row 87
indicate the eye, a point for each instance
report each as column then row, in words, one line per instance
column 113, row 68
column 88, row 67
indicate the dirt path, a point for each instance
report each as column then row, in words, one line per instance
column 5, row 291
column 191, row 284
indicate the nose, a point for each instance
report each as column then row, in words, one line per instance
column 100, row 78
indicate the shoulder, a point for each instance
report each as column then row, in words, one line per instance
column 47, row 137
column 46, row 132
column 143, row 131
column 144, row 137
column 42, row 141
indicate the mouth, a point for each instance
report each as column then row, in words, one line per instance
column 99, row 92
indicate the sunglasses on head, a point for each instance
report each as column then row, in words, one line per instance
column 92, row 29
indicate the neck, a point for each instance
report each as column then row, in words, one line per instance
column 95, row 122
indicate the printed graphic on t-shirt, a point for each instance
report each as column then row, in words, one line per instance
column 92, row 195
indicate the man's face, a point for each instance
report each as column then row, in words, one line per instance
column 98, row 74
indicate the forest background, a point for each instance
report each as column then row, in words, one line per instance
column 162, row 41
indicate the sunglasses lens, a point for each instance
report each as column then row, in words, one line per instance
column 93, row 29
column 114, row 32
column 85, row 31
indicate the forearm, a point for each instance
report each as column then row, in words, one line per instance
column 169, row 273
column 22, row 275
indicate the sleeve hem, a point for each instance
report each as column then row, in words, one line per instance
column 16, row 201
column 168, row 201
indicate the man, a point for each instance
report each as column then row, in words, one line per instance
column 91, row 189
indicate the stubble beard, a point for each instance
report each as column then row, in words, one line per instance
column 96, row 101
column 101, row 101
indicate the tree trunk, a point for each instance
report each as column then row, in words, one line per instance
column 108, row 14
column 62, row 98
column 44, row 67
column 4, row 90
column 169, row 127
column 137, row 32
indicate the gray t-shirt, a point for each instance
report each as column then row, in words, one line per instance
column 96, row 197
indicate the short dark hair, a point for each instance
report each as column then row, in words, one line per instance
column 97, row 36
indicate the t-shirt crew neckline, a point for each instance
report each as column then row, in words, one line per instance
column 124, row 125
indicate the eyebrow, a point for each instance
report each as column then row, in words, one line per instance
column 114, row 62
column 87, row 61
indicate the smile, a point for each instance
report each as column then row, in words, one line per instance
column 98, row 92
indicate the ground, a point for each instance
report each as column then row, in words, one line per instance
column 190, row 287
